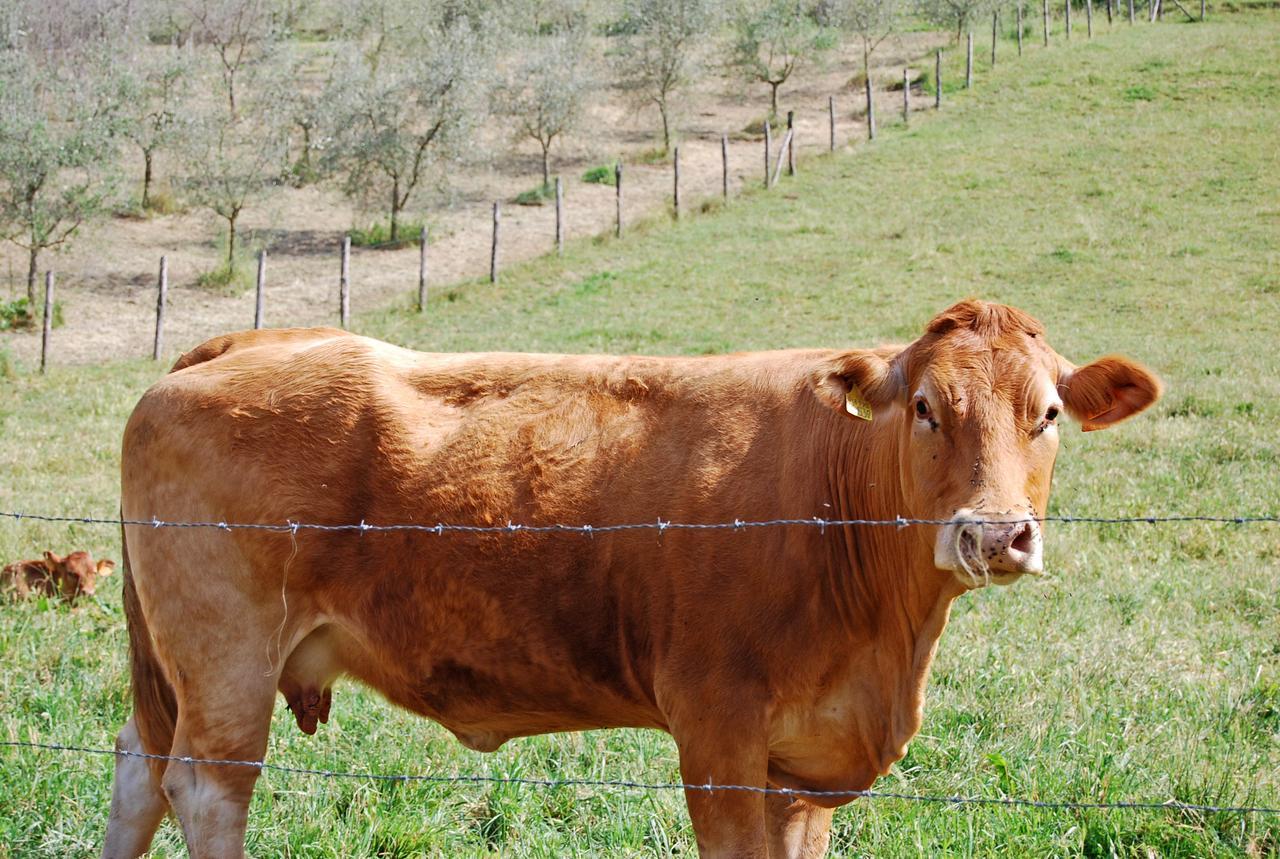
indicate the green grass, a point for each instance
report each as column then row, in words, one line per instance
column 1146, row 668
column 378, row 235
column 602, row 174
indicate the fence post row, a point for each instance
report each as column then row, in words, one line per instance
column 937, row 80
column 906, row 95
column 344, row 283
column 1130, row 12
column 724, row 164
column 871, row 112
column 48, row 320
column 1046, row 20
column 1088, row 17
column 260, row 284
column 831, row 115
column 968, row 63
column 768, row 141
column 995, row 33
column 791, row 143
column 422, row 269
column 1067, row 4
column 559, row 217
column 617, row 185
column 1020, row 26
column 675, row 181
column 162, row 293
column 493, row 251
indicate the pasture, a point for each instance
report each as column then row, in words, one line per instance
column 1125, row 192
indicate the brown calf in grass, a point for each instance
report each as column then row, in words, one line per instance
column 51, row 576
column 782, row 657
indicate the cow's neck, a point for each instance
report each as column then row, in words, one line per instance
column 892, row 603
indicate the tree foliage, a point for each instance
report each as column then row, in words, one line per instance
column 772, row 38
column 156, row 83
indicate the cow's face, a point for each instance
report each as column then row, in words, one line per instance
column 975, row 404
column 76, row 574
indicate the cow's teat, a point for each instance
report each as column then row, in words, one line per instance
column 980, row 548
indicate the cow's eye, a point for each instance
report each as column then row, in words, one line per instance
column 922, row 408
column 1051, row 415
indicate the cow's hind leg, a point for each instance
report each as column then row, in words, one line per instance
column 798, row 829
column 137, row 801
column 225, row 718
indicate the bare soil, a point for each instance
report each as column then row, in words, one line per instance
column 106, row 280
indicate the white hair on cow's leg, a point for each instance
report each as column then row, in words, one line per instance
column 284, row 603
column 968, row 551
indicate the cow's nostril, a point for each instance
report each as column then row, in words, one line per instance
column 1024, row 540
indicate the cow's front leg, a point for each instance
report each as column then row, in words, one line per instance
column 727, row 823
column 797, row 828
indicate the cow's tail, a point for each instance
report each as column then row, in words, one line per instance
column 155, row 709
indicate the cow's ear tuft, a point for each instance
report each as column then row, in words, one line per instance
column 105, row 567
column 1107, row 391
column 854, row 382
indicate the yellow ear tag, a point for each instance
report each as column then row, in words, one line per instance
column 857, row 405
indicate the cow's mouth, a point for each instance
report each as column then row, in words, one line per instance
column 982, row 548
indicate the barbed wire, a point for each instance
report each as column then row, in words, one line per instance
column 659, row 525
column 622, row 784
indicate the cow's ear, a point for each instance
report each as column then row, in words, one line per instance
column 105, row 567
column 1107, row 391
column 856, row 383
column 51, row 560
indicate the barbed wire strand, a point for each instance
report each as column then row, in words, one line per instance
column 553, row 783
column 659, row 525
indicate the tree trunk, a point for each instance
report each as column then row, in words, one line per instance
column 546, row 164
column 773, row 98
column 231, row 93
column 666, row 127
column 146, row 179
column 231, row 239
column 305, row 160
column 33, row 257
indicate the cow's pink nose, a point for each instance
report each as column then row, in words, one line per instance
column 974, row 545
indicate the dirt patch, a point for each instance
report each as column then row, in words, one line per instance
column 106, row 281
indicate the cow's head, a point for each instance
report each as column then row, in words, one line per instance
column 975, row 404
column 76, row 574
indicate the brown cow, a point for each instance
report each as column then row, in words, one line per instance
column 790, row 657
column 51, row 576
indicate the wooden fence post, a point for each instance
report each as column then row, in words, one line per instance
column 782, row 151
column 1046, row 21
column 422, row 269
column 1202, row 5
column 968, row 63
column 48, row 320
column 1110, row 3
column 791, row 143
column 937, row 80
column 906, row 95
column 1088, row 17
column 162, row 299
column 493, row 250
column 995, row 32
column 831, row 120
column 260, row 284
column 724, row 165
column 675, row 182
column 1130, row 12
column 768, row 144
column 1067, row 5
column 871, row 113
column 617, row 186
column 344, row 283
column 1020, row 26
column 559, row 217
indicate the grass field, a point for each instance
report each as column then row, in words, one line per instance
column 1125, row 191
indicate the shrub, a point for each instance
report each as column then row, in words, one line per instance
column 17, row 315
column 378, row 235
column 602, row 175
column 535, row 196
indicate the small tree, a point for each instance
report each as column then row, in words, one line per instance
column 957, row 13
column 546, row 91
column 771, row 39
column 231, row 161
column 393, row 126
column 871, row 21
column 56, row 146
column 659, row 51
column 233, row 28
column 156, row 87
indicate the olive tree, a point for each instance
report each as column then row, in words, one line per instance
column 397, row 122
column 661, row 49
column 157, row 83
column 959, row 14
column 546, row 90
column 57, row 142
column 772, row 38
column 234, row 28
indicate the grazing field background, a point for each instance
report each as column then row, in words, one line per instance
column 1124, row 191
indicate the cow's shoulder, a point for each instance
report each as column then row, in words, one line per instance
column 278, row 339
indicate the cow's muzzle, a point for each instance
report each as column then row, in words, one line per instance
column 981, row 548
